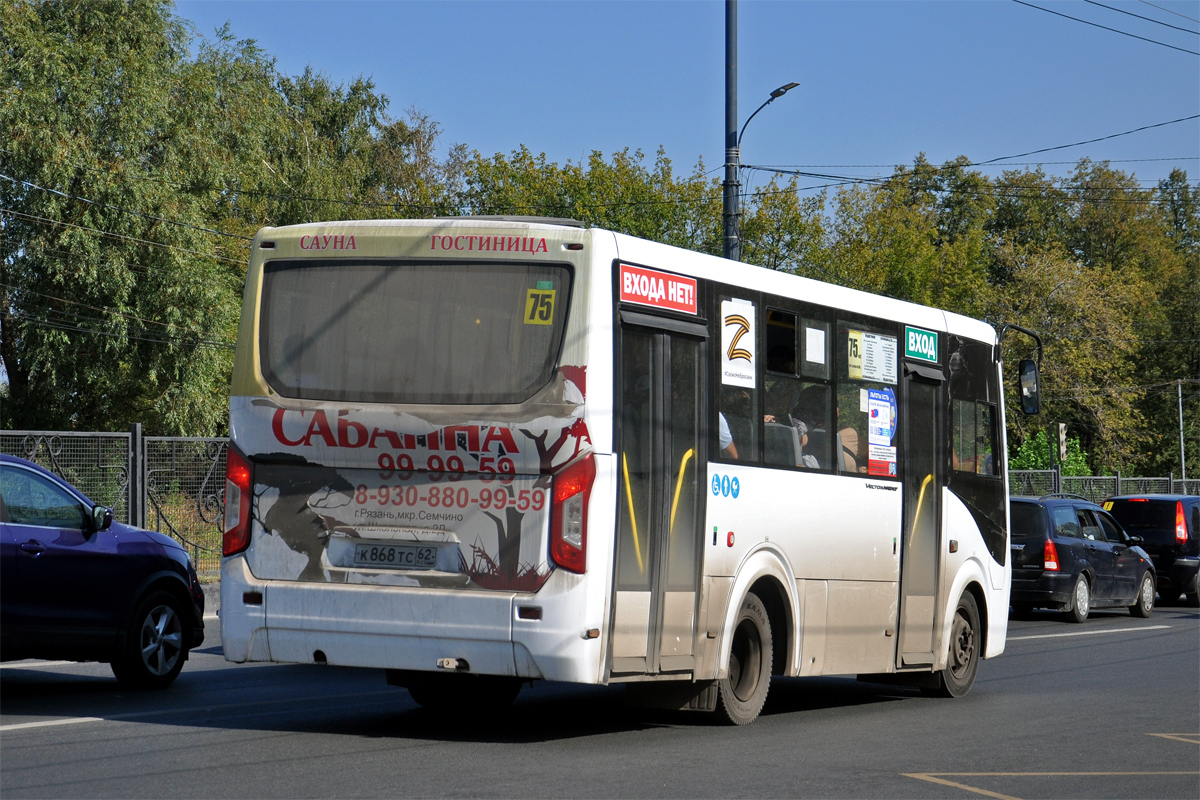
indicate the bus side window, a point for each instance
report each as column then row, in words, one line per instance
column 737, row 432
column 973, row 434
column 796, row 417
column 867, row 408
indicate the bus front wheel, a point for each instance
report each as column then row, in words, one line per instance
column 743, row 691
column 966, row 642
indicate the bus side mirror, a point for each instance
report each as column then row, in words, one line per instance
column 1031, row 386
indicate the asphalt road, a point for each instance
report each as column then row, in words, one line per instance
column 1110, row 708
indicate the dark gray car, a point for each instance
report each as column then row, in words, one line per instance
column 1070, row 554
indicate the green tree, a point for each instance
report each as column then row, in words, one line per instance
column 110, row 313
column 623, row 193
column 134, row 177
column 1037, row 452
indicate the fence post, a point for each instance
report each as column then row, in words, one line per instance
column 1171, row 482
column 1057, row 478
column 1118, row 491
column 137, row 477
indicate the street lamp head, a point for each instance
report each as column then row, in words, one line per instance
column 782, row 90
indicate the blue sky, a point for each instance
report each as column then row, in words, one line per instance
column 880, row 81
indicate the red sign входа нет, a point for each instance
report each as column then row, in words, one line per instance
column 650, row 287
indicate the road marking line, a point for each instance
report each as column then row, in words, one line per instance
column 1179, row 737
column 933, row 777
column 160, row 712
column 925, row 776
column 28, row 664
column 49, row 723
column 1085, row 633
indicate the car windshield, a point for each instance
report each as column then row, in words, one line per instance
column 412, row 332
column 1027, row 520
column 1144, row 514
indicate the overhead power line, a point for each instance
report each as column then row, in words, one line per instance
column 1105, row 27
column 111, row 234
column 1169, row 11
column 1139, row 16
column 1087, row 392
column 1087, row 141
column 102, row 309
column 1032, row 193
column 126, row 210
column 194, row 341
column 1010, row 164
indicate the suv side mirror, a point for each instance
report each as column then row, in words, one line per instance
column 1030, row 383
column 101, row 518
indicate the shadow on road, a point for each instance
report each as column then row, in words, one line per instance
column 356, row 702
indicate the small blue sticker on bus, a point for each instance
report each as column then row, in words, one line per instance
column 724, row 486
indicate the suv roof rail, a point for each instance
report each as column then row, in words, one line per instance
column 1066, row 495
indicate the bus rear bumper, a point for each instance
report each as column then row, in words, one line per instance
column 399, row 628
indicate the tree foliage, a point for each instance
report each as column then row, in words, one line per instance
column 1037, row 452
column 134, row 175
column 139, row 158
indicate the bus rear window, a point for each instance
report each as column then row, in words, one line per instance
column 403, row 332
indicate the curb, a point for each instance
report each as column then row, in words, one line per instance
column 212, row 597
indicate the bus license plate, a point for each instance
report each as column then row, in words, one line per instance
column 396, row 556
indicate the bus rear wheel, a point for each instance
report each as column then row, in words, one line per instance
column 962, row 662
column 743, row 691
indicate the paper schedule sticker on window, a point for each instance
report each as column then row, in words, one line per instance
column 539, row 307
column 871, row 357
column 814, row 345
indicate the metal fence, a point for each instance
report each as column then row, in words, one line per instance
column 176, row 485
column 1037, row 482
column 95, row 463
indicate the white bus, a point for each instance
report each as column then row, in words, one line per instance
column 478, row 452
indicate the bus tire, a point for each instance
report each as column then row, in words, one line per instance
column 743, row 691
column 156, row 645
column 966, row 641
column 464, row 693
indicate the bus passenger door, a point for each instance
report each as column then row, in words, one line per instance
column 661, row 466
column 920, row 548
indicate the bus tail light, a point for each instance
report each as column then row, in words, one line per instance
column 1050, row 557
column 568, row 514
column 1180, row 524
column 236, row 536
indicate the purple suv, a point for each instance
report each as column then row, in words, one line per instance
column 75, row 585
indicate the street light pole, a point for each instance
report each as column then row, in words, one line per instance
column 732, row 248
column 732, row 187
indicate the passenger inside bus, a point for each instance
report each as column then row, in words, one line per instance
column 793, row 411
column 728, row 448
column 737, row 432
